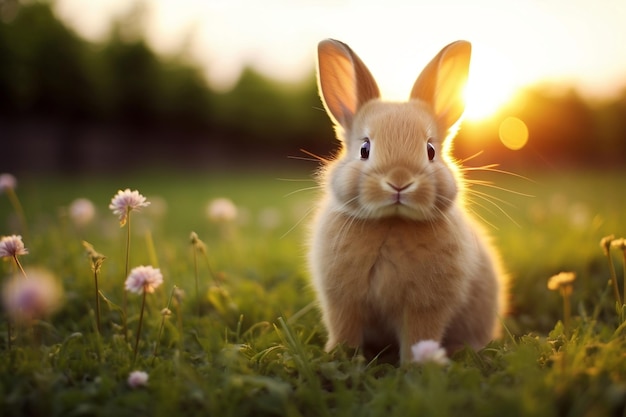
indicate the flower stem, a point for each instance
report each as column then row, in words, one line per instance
column 95, row 277
column 19, row 266
column 158, row 342
column 613, row 278
column 127, row 267
column 567, row 308
column 156, row 346
column 195, row 267
column 179, row 323
column 143, row 305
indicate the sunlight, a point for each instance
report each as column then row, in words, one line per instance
column 491, row 84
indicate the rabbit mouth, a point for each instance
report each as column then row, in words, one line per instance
column 400, row 205
column 401, row 199
column 402, row 196
column 398, row 199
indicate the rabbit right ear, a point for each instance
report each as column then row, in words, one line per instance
column 344, row 81
column 441, row 83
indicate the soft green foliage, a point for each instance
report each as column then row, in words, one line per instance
column 256, row 346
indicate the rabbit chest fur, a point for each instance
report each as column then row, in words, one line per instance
column 394, row 282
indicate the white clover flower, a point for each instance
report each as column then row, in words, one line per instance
column 137, row 379
column 429, row 351
column 12, row 246
column 143, row 278
column 7, row 181
column 126, row 201
column 221, row 210
column 36, row 297
column 82, row 211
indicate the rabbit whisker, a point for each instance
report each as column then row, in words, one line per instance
column 460, row 162
column 489, row 199
column 481, row 218
column 313, row 157
column 315, row 187
column 493, row 168
column 295, row 179
column 442, row 213
column 302, row 218
column 484, row 195
column 489, row 184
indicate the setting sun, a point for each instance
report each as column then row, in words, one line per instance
column 490, row 85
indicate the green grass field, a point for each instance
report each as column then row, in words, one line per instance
column 249, row 340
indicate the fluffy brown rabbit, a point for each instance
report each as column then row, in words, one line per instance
column 394, row 256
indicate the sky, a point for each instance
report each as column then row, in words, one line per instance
column 515, row 43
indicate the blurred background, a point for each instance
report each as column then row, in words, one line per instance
column 105, row 86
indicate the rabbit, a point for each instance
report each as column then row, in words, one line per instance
column 394, row 256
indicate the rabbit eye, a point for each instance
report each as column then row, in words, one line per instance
column 430, row 148
column 365, row 149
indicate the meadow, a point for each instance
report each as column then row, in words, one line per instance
column 241, row 334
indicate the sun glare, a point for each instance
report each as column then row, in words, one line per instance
column 513, row 133
column 491, row 84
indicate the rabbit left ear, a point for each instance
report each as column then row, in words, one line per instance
column 442, row 82
column 345, row 83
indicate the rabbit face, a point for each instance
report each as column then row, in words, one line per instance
column 393, row 164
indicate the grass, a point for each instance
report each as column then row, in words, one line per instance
column 251, row 344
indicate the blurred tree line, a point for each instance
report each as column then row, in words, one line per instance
column 71, row 105
column 68, row 104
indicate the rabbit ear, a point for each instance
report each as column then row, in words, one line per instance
column 344, row 82
column 441, row 83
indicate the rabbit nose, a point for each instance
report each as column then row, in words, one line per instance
column 399, row 188
column 399, row 180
